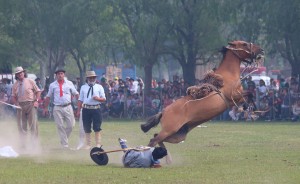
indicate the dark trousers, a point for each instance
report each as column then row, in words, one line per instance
column 89, row 117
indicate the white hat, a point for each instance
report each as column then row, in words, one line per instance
column 90, row 74
column 19, row 69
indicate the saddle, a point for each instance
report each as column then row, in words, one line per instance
column 210, row 82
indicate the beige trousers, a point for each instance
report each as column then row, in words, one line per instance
column 65, row 121
column 27, row 119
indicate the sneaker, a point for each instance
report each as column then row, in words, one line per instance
column 122, row 140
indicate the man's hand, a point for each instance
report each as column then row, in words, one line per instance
column 36, row 104
column 156, row 166
column 96, row 98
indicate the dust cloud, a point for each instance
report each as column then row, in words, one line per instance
column 9, row 136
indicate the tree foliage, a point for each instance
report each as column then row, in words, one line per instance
column 47, row 33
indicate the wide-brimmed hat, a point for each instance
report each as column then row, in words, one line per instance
column 90, row 74
column 98, row 157
column 60, row 70
column 19, row 69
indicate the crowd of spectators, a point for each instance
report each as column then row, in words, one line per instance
column 125, row 98
column 278, row 101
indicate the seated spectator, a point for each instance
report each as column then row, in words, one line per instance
column 115, row 105
column 122, row 101
column 155, row 103
column 3, row 96
column 167, row 101
column 264, row 107
column 262, row 89
column 285, row 105
column 234, row 113
column 249, row 107
column 296, row 111
column 130, row 103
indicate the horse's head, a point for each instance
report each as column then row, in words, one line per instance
column 246, row 52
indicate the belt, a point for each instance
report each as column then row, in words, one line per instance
column 91, row 106
column 64, row 105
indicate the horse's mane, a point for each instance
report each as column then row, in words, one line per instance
column 210, row 82
column 223, row 51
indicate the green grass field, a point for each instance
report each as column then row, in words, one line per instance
column 222, row 152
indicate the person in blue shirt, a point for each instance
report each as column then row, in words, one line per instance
column 142, row 157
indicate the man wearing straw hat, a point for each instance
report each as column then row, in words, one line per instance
column 91, row 96
column 62, row 90
column 26, row 93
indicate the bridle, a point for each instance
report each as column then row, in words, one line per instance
column 253, row 57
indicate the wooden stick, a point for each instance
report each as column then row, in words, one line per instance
column 17, row 107
column 125, row 149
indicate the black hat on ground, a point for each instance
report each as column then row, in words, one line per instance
column 100, row 159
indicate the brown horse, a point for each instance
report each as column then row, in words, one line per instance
column 187, row 112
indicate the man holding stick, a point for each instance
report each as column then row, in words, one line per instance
column 25, row 93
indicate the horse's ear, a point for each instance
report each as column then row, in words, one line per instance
column 231, row 44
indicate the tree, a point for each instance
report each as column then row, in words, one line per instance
column 11, row 35
column 88, row 22
column 194, row 35
column 145, row 23
column 282, row 21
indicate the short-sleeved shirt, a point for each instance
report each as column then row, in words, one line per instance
column 68, row 90
column 87, row 94
column 25, row 90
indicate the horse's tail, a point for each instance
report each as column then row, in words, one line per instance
column 151, row 122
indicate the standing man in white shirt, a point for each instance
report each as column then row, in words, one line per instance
column 61, row 92
column 91, row 96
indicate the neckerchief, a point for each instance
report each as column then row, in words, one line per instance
column 60, row 87
column 91, row 87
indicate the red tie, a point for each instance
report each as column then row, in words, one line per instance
column 60, row 88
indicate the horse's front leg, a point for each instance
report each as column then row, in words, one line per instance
column 158, row 138
column 169, row 159
column 161, row 144
column 154, row 141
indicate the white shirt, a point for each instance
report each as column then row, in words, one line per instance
column 296, row 110
column 262, row 89
column 88, row 100
column 68, row 89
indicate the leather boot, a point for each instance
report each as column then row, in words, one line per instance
column 88, row 141
column 98, row 139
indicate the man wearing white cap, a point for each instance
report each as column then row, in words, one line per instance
column 26, row 93
column 91, row 96
column 62, row 90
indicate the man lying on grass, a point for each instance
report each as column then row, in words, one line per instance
column 146, row 157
